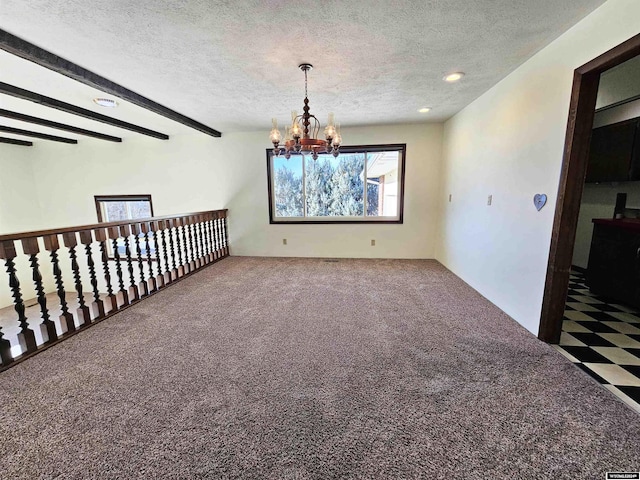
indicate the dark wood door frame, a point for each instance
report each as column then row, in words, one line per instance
column 574, row 167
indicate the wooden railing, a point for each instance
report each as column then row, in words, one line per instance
column 109, row 266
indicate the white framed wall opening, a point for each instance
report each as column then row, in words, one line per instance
column 114, row 208
column 363, row 184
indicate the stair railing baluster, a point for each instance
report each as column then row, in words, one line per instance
column 110, row 299
column 226, row 234
column 146, row 229
column 207, row 234
column 47, row 327
column 198, row 239
column 173, row 274
column 122, row 295
column 97, row 306
column 188, row 224
column 143, row 287
column 195, row 251
column 204, row 239
column 221, row 233
column 172, row 226
column 185, row 245
column 175, row 224
column 65, row 321
column 196, row 247
column 161, row 250
column 168, row 276
column 207, row 238
column 84, row 315
column 204, row 247
column 214, row 232
column 125, row 233
column 216, row 238
column 219, row 230
column 196, row 243
column 201, row 241
column 26, row 337
column 8, row 253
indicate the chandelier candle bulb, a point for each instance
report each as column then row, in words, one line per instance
column 330, row 131
column 296, row 129
column 275, row 136
column 337, row 138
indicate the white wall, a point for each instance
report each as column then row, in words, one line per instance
column 18, row 195
column 18, row 207
column 197, row 172
column 509, row 143
column 415, row 238
column 179, row 173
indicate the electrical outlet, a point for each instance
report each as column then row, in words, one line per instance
column 489, row 199
column 284, row 241
column 373, row 243
column 449, row 197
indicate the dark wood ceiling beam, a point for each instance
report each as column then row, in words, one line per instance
column 13, row 141
column 21, row 48
column 73, row 109
column 59, row 126
column 43, row 136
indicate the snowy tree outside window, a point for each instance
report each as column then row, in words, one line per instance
column 361, row 184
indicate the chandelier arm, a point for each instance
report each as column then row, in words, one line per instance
column 316, row 126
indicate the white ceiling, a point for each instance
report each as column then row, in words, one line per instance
column 233, row 64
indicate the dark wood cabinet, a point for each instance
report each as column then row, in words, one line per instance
column 614, row 260
column 614, row 154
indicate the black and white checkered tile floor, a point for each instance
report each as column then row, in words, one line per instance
column 603, row 339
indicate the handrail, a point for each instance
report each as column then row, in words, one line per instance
column 54, row 231
column 110, row 266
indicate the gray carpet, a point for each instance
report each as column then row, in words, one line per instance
column 302, row 368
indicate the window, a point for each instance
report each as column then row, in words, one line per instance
column 363, row 184
column 115, row 208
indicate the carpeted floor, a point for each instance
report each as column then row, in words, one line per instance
column 304, row 368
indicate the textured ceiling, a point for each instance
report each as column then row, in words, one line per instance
column 233, row 64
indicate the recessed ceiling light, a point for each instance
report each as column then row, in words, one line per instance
column 425, row 109
column 105, row 102
column 453, row 77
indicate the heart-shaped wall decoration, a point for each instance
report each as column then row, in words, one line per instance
column 539, row 200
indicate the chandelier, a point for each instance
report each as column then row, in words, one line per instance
column 302, row 139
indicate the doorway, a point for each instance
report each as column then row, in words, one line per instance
column 574, row 167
